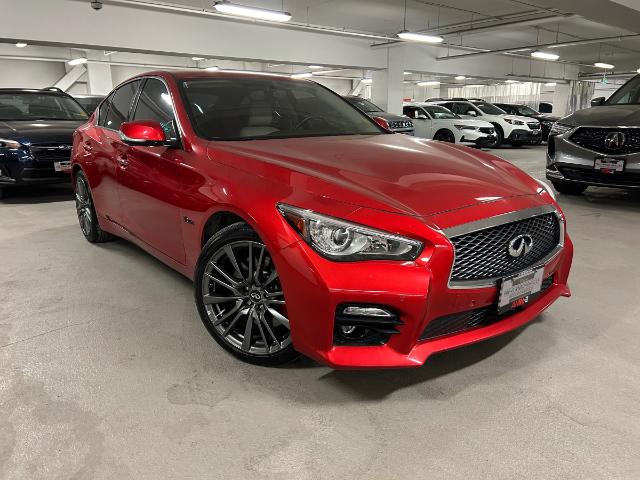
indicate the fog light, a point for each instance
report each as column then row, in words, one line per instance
column 348, row 329
column 366, row 311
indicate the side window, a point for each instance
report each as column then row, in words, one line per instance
column 120, row 105
column 424, row 113
column 155, row 104
column 449, row 106
column 410, row 112
column 103, row 109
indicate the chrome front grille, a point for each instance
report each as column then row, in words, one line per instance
column 534, row 125
column 595, row 139
column 483, row 255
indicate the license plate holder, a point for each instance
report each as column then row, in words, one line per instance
column 62, row 166
column 608, row 165
column 516, row 290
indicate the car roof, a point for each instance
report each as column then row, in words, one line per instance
column 50, row 90
column 203, row 74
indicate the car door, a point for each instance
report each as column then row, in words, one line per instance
column 421, row 121
column 104, row 144
column 150, row 177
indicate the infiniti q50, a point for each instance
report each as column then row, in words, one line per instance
column 308, row 228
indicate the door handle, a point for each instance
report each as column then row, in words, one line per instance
column 123, row 162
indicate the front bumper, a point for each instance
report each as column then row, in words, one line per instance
column 417, row 291
column 17, row 168
column 526, row 137
column 478, row 138
column 570, row 163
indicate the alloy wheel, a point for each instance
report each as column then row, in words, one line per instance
column 243, row 299
column 83, row 206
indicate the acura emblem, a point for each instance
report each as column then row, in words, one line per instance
column 521, row 245
column 614, row 141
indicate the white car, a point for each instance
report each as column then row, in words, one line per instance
column 439, row 123
column 511, row 129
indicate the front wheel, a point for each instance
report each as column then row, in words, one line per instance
column 240, row 298
column 445, row 136
column 87, row 217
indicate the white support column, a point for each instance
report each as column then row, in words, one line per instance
column 561, row 99
column 387, row 89
column 99, row 81
column 70, row 77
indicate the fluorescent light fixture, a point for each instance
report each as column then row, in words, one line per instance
column 474, row 86
column 433, row 83
column 550, row 84
column 315, row 67
column 606, row 66
column 419, row 37
column 367, row 81
column 21, row 44
column 408, row 73
column 197, row 59
column 301, row 75
column 511, row 81
column 545, row 55
column 638, row 70
column 212, row 69
column 77, row 61
column 252, row 12
column 461, row 77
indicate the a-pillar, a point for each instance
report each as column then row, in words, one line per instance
column 387, row 89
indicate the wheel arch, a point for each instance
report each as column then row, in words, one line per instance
column 445, row 129
column 219, row 220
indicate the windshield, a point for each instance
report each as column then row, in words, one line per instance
column 438, row 112
column 365, row 105
column 263, row 108
column 628, row 94
column 89, row 103
column 526, row 111
column 489, row 108
column 39, row 106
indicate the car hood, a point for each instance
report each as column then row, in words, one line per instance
column 39, row 131
column 546, row 117
column 473, row 123
column 389, row 116
column 387, row 172
column 518, row 117
column 606, row 116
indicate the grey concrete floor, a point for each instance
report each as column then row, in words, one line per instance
column 106, row 372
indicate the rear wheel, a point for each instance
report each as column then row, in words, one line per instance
column 445, row 136
column 240, row 298
column 499, row 136
column 569, row 188
column 86, row 211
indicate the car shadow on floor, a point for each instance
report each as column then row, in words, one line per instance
column 34, row 194
column 604, row 198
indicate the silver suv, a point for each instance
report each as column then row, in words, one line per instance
column 599, row 145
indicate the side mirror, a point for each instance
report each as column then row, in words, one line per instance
column 382, row 123
column 422, row 116
column 473, row 113
column 144, row 133
column 596, row 102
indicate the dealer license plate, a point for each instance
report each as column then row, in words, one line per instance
column 62, row 166
column 516, row 290
column 609, row 165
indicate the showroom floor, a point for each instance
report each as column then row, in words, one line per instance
column 107, row 372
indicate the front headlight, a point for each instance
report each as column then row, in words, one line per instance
column 339, row 240
column 513, row 122
column 465, row 127
column 560, row 129
column 4, row 143
column 544, row 186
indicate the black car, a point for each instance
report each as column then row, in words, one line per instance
column 546, row 121
column 89, row 102
column 395, row 123
column 36, row 129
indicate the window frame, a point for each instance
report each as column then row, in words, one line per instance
column 176, row 122
column 110, row 98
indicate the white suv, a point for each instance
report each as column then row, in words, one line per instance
column 439, row 123
column 511, row 129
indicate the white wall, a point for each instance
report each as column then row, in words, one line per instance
column 29, row 74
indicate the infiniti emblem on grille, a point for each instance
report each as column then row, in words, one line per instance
column 614, row 141
column 519, row 246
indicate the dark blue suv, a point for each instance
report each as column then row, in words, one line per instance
column 36, row 129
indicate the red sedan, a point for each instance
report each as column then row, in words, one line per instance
column 308, row 228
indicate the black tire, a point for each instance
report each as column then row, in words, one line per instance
column 87, row 217
column 3, row 192
column 499, row 136
column 236, row 284
column 569, row 188
column 445, row 135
